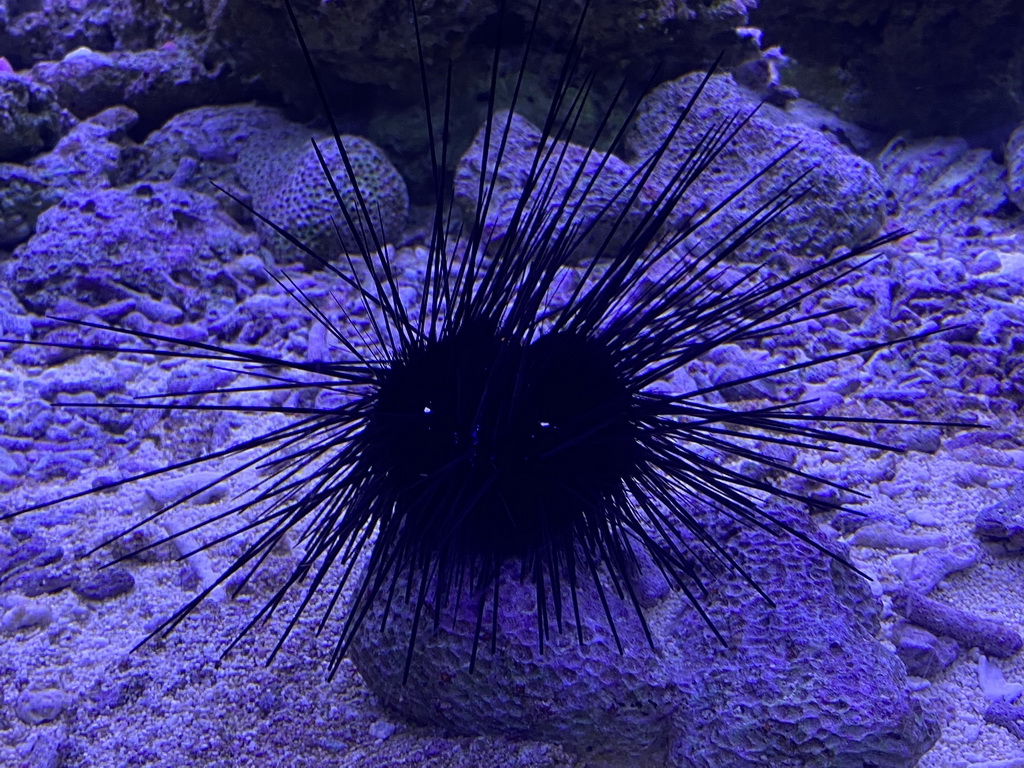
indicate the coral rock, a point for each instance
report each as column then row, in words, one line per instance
column 267, row 160
column 847, row 204
column 149, row 240
column 594, row 183
column 923, row 654
column 1002, row 524
column 306, row 206
column 31, row 120
column 801, row 684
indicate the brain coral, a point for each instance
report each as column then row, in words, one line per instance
column 256, row 152
column 305, row 205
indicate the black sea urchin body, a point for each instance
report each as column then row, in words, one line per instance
column 501, row 447
column 514, row 410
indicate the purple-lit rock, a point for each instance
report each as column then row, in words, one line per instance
column 50, row 29
column 303, row 200
column 923, row 654
column 235, row 145
column 371, row 42
column 34, row 706
column 803, row 683
column 939, row 67
column 1006, row 715
column 884, row 535
column 156, row 83
column 24, row 194
column 969, row 630
column 94, row 153
column 260, row 157
column 31, row 120
column 105, row 584
column 923, row 571
column 152, row 240
column 594, row 183
column 941, row 181
column 1015, row 166
column 847, row 204
column 1002, row 524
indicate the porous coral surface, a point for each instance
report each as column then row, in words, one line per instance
column 803, row 683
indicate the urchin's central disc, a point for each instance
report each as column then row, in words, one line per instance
column 499, row 444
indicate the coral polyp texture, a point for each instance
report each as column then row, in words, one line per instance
column 255, row 152
column 548, row 473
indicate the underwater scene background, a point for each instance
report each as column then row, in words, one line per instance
column 115, row 117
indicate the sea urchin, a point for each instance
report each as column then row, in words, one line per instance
column 516, row 410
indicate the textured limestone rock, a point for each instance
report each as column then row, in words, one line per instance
column 236, row 145
column 151, row 240
column 604, row 706
column 1015, row 166
column 31, row 120
column 94, row 153
column 305, row 204
column 24, row 194
column 1002, row 524
column 923, row 654
column 269, row 161
column 373, row 42
column 943, row 185
column 992, row 637
column 801, row 684
column 49, row 29
column 595, row 184
column 846, row 200
column 156, row 83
